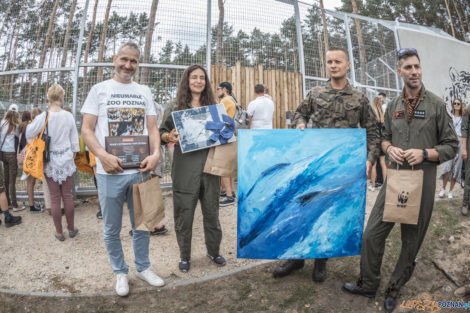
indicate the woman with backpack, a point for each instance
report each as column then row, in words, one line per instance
column 21, row 151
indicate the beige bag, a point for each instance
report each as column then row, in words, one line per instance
column 149, row 209
column 222, row 160
column 403, row 196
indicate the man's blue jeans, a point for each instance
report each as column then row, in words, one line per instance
column 112, row 191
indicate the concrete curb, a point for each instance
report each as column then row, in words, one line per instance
column 136, row 290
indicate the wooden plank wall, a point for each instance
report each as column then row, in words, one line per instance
column 284, row 87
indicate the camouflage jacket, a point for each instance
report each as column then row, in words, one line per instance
column 346, row 108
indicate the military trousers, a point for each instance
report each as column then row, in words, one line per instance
column 466, row 189
column 412, row 236
column 184, row 204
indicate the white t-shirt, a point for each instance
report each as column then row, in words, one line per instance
column 121, row 110
column 9, row 143
column 261, row 109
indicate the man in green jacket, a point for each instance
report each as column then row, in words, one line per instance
column 334, row 105
column 419, row 133
column 465, row 149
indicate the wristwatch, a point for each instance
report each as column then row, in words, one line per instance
column 425, row 155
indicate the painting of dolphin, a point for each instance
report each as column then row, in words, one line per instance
column 301, row 194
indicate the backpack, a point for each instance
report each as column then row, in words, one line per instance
column 240, row 117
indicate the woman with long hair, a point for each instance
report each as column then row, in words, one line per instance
column 451, row 170
column 379, row 114
column 190, row 184
column 61, row 167
column 9, row 133
column 26, row 119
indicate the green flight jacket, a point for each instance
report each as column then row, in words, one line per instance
column 346, row 108
column 431, row 126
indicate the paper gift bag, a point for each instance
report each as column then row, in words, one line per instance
column 222, row 160
column 403, row 196
column 149, row 209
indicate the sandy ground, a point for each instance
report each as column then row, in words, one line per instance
column 33, row 260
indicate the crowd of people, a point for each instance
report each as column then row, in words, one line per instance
column 119, row 106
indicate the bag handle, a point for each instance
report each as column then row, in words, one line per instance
column 42, row 132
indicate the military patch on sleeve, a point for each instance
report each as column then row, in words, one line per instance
column 419, row 114
column 399, row 114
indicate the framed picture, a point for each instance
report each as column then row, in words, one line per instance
column 301, row 194
column 191, row 125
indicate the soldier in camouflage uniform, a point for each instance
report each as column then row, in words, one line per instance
column 419, row 133
column 335, row 105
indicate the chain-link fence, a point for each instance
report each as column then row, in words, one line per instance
column 72, row 42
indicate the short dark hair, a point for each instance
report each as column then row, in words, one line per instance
column 408, row 53
column 227, row 86
column 259, row 89
column 334, row 48
column 382, row 94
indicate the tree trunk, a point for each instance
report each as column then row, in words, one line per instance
column 460, row 21
column 463, row 9
column 103, row 39
column 43, row 10
column 450, row 18
column 360, row 41
column 322, row 56
column 325, row 28
column 66, row 40
column 44, row 49
column 144, row 77
column 220, row 33
column 18, row 26
column 87, row 48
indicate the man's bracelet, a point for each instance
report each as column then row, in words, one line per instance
column 386, row 150
column 165, row 138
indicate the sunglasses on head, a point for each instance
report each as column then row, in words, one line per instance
column 405, row 50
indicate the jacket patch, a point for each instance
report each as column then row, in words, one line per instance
column 399, row 114
column 419, row 114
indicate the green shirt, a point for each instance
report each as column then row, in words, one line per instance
column 430, row 126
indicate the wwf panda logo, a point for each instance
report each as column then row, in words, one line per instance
column 402, row 199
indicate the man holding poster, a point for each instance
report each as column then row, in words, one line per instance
column 334, row 105
column 115, row 109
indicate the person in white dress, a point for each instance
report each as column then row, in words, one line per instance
column 61, row 167
column 452, row 169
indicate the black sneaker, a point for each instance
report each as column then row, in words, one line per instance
column 218, row 260
column 36, row 209
column 223, row 193
column 227, row 201
column 184, row 266
column 99, row 215
column 161, row 231
column 12, row 221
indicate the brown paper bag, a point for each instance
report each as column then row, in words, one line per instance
column 222, row 160
column 403, row 196
column 149, row 209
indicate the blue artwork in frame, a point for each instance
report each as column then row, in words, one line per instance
column 301, row 194
column 198, row 127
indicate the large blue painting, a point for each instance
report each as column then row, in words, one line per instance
column 301, row 194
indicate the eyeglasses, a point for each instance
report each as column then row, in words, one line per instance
column 405, row 50
column 456, row 103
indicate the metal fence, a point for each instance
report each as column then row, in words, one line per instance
column 72, row 42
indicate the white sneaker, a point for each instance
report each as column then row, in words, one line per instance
column 122, row 285
column 18, row 208
column 442, row 193
column 150, row 277
column 450, row 195
column 371, row 188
